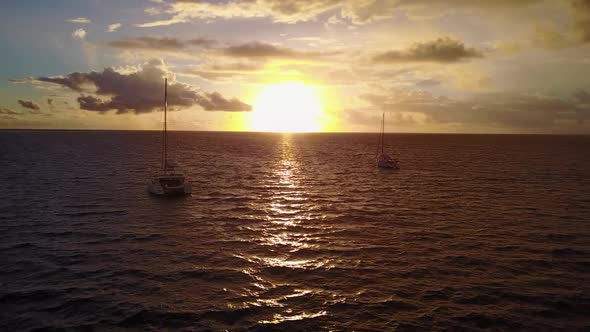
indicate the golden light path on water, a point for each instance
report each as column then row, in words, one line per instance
column 289, row 227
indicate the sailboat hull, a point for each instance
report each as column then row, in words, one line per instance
column 387, row 165
column 386, row 161
column 156, row 187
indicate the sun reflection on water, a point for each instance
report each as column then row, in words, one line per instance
column 288, row 230
column 278, row 318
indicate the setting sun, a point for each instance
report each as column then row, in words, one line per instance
column 287, row 107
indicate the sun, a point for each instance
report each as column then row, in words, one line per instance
column 286, row 107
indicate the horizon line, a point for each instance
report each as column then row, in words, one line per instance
column 279, row 132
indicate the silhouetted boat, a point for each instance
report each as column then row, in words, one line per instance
column 383, row 159
column 169, row 182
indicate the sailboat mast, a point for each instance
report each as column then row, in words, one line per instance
column 165, row 138
column 382, row 132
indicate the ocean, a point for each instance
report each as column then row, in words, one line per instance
column 294, row 232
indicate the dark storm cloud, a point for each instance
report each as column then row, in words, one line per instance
column 139, row 92
column 159, row 44
column 496, row 109
column 443, row 50
column 29, row 104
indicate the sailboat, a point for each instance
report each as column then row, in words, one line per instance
column 168, row 182
column 383, row 159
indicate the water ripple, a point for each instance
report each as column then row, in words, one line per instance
column 294, row 232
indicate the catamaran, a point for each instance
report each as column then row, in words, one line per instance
column 383, row 159
column 168, row 182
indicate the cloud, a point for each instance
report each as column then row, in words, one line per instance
column 362, row 12
column 505, row 47
column 575, row 34
column 289, row 11
column 258, row 49
column 500, row 110
column 293, row 11
column 581, row 12
column 8, row 111
column 29, row 104
column 223, row 70
column 159, row 44
column 79, row 20
column 550, row 38
column 363, row 119
column 442, row 50
column 28, row 79
column 251, row 50
column 215, row 101
column 152, row 11
column 140, row 91
column 235, row 67
column 264, row 50
column 283, row 11
column 113, row 27
column 161, row 23
column 79, row 33
column 427, row 83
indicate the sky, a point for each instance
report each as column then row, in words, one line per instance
column 432, row 66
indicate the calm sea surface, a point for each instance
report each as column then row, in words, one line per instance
column 294, row 232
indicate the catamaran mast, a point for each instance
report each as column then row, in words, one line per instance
column 165, row 133
column 382, row 132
